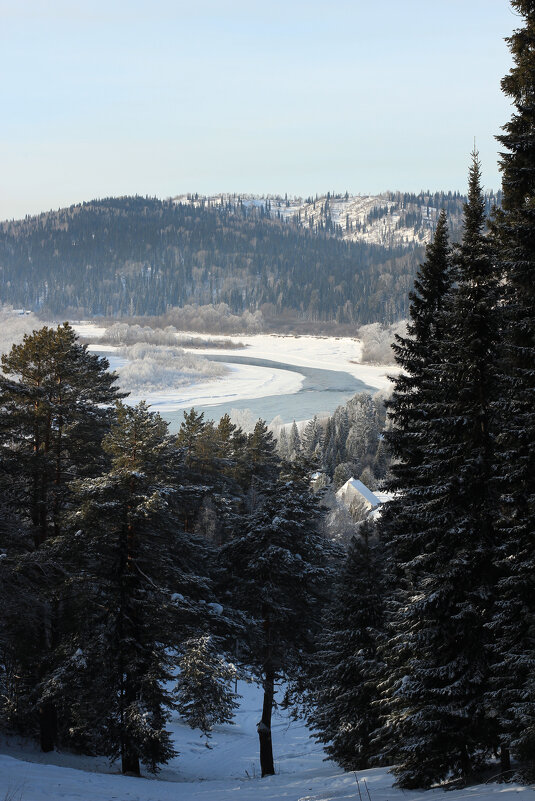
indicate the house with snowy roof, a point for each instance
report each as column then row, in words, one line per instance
column 355, row 490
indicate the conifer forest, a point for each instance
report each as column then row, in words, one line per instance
column 144, row 572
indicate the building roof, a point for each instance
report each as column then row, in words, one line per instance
column 357, row 485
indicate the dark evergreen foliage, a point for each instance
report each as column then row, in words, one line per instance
column 277, row 568
column 512, row 693
column 53, row 415
column 52, row 419
column 142, row 588
column 444, row 537
column 346, row 690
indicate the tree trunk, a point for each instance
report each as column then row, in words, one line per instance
column 57, row 477
column 465, row 762
column 130, row 762
column 505, row 759
column 129, row 752
column 264, row 727
column 48, row 716
column 48, row 727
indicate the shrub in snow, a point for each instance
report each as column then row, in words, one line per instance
column 126, row 334
column 215, row 319
column 13, row 326
column 153, row 368
column 377, row 341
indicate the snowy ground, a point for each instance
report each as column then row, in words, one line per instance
column 228, row 770
column 244, row 382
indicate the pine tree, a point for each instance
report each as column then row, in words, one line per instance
column 512, row 692
column 415, row 352
column 329, row 447
column 362, row 434
column 282, row 445
column 53, row 397
column 276, row 572
column 204, row 686
column 262, row 463
column 141, row 587
column 212, row 457
column 444, row 536
column 346, row 690
column 54, row 412
column 311, row 439
column 294, row 442
column 190, row 437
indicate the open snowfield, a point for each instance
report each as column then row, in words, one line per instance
column 228, row 770
column 242, row 382
column 245, row 382
column 327, row 353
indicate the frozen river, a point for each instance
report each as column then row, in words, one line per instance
column 291, row 377
column 321, row 391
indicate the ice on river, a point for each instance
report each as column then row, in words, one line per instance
column 246, row 382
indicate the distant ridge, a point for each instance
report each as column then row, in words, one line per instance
column 331, row 260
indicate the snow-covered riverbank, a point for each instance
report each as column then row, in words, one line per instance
column 245, row 382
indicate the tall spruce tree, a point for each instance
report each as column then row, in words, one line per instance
column 312, row 438
column 440, row 651
column 512, row 692
column 276, row 572
column 345, row 691
column 414, row 353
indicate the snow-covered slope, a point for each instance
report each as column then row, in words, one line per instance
column 389, row 219
column 227, row 770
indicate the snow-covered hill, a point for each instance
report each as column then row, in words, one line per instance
column 227, row 770
column 389, row 219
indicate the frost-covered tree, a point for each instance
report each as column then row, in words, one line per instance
column 329, row 460
column 282, row 445
column 363, row 433
column 204, row 687
column 294, row 442
column 311, row 439
column 342, row 473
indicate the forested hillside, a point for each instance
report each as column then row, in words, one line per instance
column 141, row 256
column 142, row 573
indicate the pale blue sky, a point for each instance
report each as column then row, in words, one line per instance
column 167, row 97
